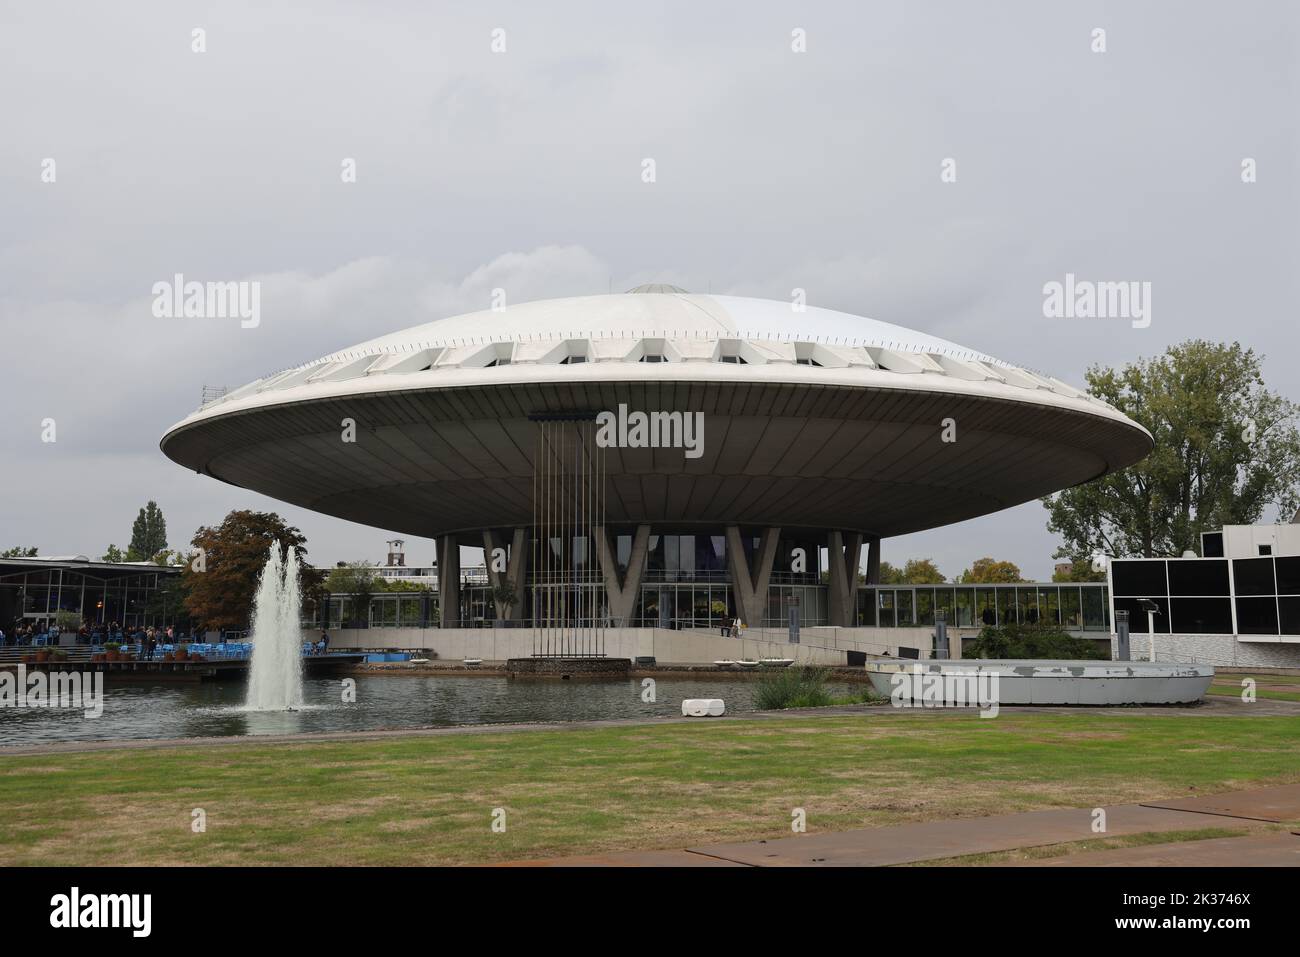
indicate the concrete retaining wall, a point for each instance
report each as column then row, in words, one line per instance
column 1223, row 651
column 829, row 646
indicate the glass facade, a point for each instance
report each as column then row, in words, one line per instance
column 30, row 593
column 1075, row 607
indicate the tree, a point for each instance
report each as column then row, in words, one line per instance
column 986, row 571
column 19, row 551
column 506, row 598
column 917, row 571
column 1226, row 448
column 359, row 580
column 922, row 571
column 113, row 554
column 889, row 575
column 221, row 579
column 148, row 534
column 1080, row 570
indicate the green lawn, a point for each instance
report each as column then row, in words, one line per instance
column 420, row 800
column 1267, row 687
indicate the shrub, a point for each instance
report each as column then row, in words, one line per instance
column 1031, row 641
column 792, row 687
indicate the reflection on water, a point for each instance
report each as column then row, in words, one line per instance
column 382, row 701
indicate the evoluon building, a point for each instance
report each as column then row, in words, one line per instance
column 657, row 457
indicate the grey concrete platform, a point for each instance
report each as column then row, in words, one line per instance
column 1038, row 681
column 1253, row 850
column 934, row 840
column 1277, row 804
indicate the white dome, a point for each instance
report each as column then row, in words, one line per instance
column 658, row 311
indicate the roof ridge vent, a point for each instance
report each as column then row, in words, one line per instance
column 658, row 287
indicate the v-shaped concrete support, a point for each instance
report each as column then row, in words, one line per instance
column 516, row 565
column 750, row 586
column 844, row 554
column 621, row 595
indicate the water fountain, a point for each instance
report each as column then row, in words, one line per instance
column 275, row 672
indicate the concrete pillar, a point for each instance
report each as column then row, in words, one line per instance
column 448, row 581
column 621, row 595
column 1121, row 636
column 843, row 559
column 873, row 559
column 515, row 573
column 750, row 585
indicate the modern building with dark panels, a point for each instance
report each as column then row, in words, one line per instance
column 822, row 433
column 1237, row 603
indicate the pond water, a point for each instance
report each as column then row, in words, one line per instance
column 382, row 702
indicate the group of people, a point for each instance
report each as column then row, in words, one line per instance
column 24, row 632
column 731, row 627
column 43, row 632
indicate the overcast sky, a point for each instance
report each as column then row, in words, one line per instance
column 522, row 170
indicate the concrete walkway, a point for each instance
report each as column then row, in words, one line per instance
column 1255, row 850
column 938, row 840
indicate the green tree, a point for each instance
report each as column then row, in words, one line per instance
column 359, row 580
column 922, row 571
column 221, row 578
column 113, row 554
column 889, row 575
column 1080, row 570
column 1226, row 449
column 917, row 571
column 148, row 534
column 987, row 571
column 19, row 551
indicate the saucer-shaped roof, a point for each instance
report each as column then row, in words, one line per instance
column 813, row 418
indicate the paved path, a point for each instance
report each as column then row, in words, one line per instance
column 1276, row 849
column 938, row 840
column 1276, row 804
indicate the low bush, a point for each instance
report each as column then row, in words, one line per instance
column 792, row 687
column 1031, row 641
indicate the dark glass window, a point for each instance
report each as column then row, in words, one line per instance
column 1201, row 616
column 1253, row 576
column 1143, row 578
column 1266, row 549
column 1198, row 576
column 925, row 606
column 1288, row 576
column 1094, row 608
column 1289, row 613
column 1137, row 617
column 1257, row 616
column 867, row 607
column 886, row 613
column 1212, row 545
